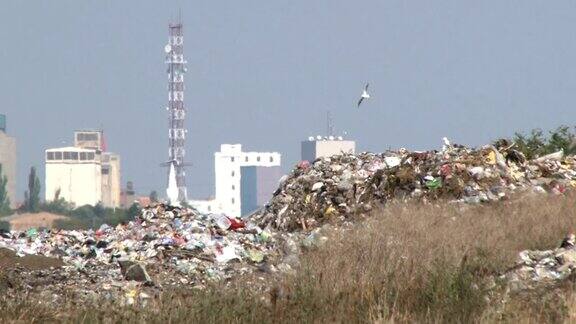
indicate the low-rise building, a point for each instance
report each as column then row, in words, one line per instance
column 74, row 174
column 84, row 174
column 127, row 195
column 318, row 147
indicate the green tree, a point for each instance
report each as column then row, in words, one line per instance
column 33, row 195
column 4, row 200
column 4, row 226
column 532, row 145
column 132, row 212
column 153, row 196
column 560, row 139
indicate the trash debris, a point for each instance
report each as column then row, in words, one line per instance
column 165, row 246
column 172, row 246
column 343, row 187
column 539, row 269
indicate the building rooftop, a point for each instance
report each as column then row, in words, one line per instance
column 69, row 149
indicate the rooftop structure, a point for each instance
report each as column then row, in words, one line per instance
column 323, row 146
column 89, row 139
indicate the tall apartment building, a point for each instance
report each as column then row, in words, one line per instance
column 319, row 147
column 244, row 180
column 84, row 174
column 8, row 160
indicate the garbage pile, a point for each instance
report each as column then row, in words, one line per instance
column 164, row 246
column 537, row 269
column 342, row 187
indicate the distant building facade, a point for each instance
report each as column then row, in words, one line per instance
column 127, row 195
column 111, row 186
column 8, row 160
column 75, row 174
column 84, row 174
column 241, row 178
column 319, row 147
column 257, row 183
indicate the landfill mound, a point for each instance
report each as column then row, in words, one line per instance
column 164, row 247
column 343, row 187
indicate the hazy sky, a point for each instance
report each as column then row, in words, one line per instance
column 264, row 73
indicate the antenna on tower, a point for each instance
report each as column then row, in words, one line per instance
column 329, row 124
column 176, row 110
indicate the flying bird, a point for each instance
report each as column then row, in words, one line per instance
column 364, row 95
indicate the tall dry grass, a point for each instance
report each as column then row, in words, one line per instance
column 423, row 262
column 407, row 263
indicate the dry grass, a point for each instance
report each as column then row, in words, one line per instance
column 407, row 263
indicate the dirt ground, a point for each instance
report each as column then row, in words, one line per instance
column 9, row 260
column 22, row 222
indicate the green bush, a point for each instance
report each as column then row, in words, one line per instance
column 4, row 225
column 536, row 143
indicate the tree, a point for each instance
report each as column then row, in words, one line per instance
column 4, row 226
column 536, row 143
column 532, row 145
column 33, row 195
column 153, row 196
column 561, row 139
column 4, row 200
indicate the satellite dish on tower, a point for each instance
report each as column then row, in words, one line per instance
column 167, row 48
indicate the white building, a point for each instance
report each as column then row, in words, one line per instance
column 319, row 147
column 8, row 161
column 111, row 175
column 76, row 173
column 84, row 174
column 228, row 166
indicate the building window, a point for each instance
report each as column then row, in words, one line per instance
column 232, row 159
column 233, row 173
column 50, row 156
column 271, row 159
column 67, row 155
column 233, row 187
column 82, row 156
column 246, row 159
column 233, row 200
column 57, row 155
column 90, row 156
column 74, row 155
column 87, row 136
column 258, row 159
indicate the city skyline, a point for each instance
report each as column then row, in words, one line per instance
column 72, row 65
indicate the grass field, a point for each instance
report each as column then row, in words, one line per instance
column 418, row 263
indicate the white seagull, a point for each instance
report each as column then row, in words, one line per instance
column 364, row 95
